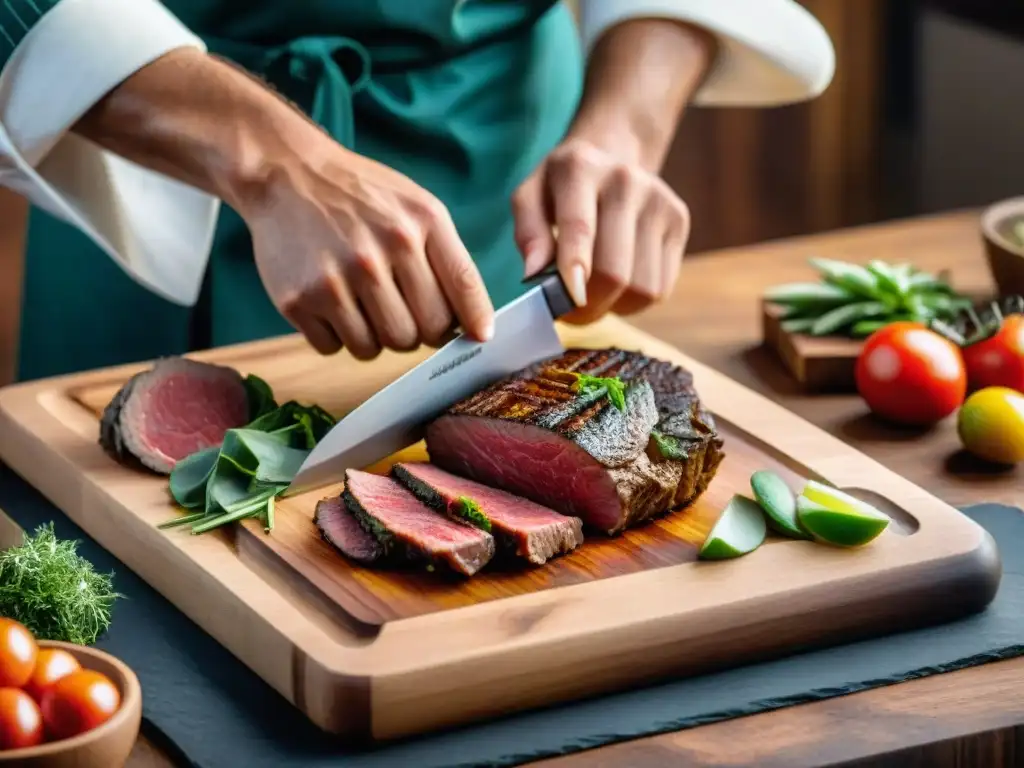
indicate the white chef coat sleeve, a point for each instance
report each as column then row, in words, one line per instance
column 770, row 52
column 64, row 60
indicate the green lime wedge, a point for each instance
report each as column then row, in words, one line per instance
column 778, row 502
column 841, row 525
column 740, row 530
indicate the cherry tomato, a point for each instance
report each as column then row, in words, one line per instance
column 21, row 723
column 998, row 361
column 911, row 375
column 51, row 665
column 18, row 651
column 79, row 702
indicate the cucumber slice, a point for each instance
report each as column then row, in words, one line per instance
column 778, row 502
column 739, row 531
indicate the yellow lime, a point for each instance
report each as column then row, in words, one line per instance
column 991, row 425
column 837, row 518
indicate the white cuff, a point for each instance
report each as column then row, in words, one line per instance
column 158, row 230
column 770, row 52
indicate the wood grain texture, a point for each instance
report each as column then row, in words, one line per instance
column 617, row 632
column 817, row 363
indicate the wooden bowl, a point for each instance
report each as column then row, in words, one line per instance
column 1005, row 253
column 107, row 746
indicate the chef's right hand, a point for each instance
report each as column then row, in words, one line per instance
column 355, row 254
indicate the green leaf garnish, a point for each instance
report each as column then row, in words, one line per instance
column 668, row 446
column 55, row 592
column 612, row 386
column 469, row 510
column 253, row 465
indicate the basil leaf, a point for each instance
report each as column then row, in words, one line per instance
column 189, row 476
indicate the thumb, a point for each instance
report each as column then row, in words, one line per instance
column 531, row 213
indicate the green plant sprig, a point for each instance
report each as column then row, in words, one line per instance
column 55, row 592
column 854, row 300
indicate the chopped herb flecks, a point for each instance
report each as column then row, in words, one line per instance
column 469, row 510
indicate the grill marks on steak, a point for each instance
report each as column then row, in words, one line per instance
column 519, row 526
column 531, row 435
column 340, row 528
column 408, row 529
column 176, row 408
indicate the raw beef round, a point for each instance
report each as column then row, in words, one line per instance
column 176, row 408
column 407, row 528
column 518, row 525
column 533, row 435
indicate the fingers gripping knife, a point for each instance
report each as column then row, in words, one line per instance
column 394, row 418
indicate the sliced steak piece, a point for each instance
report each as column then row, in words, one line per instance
column 174, row 409
column 535, row 435
column 405, row 527
column 340, row 528
column 518, row 525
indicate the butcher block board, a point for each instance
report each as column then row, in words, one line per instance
column 375, row 655
column 818, row 363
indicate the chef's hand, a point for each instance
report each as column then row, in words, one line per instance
column 355, row 254
column 619, row 230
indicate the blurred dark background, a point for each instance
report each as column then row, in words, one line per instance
column 926, row 113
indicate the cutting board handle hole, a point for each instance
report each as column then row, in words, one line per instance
column 904, row 523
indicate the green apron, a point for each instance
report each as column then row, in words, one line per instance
column 465, row 97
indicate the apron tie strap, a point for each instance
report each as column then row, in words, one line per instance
column 320, row 74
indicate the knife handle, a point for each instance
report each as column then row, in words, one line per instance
column 559, row 301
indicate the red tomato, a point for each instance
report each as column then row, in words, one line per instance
column 51, row 665
column 910, row 374
column 998, row 361
column 21, row 723
column 18, row 651
column 78, row 703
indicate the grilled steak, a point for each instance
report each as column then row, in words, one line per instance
column 174, row 409
column 340, row 528
column 518, row 525
column 407, row 528
column 572, row 449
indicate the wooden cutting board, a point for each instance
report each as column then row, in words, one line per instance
column 374, row 655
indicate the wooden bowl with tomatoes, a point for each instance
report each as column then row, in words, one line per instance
column 76, row 707
column 1002, row 226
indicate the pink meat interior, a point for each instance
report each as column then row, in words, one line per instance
column 498, row 505
column 342, row 530
column 186, row 413
column 528, row 461
column 404, row 515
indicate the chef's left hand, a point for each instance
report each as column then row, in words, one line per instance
column 620, row 230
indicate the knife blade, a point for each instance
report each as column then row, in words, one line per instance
column 395, row 417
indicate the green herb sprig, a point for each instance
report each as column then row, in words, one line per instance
column 55, row 592
column 854, row 300
column 243, row 476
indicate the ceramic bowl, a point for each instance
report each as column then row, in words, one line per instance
column 105, row 747
column 1005, row 252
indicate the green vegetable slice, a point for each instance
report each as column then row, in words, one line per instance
column 832, row 321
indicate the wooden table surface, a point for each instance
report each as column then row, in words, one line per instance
column 965, row 719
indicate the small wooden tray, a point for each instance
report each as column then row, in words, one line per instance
column 375, row 655
column 818, row 363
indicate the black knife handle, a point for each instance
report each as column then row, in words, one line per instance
column 559, row 301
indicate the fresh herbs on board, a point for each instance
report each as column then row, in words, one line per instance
column 55, row 592
column 242, row 477
column 855, row 301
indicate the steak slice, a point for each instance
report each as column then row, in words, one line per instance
column 405, row 527
column 340, row 528
column 518, row 525
column 174, row 409
column 533, row 434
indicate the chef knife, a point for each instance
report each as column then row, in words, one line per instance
column 395, row 417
